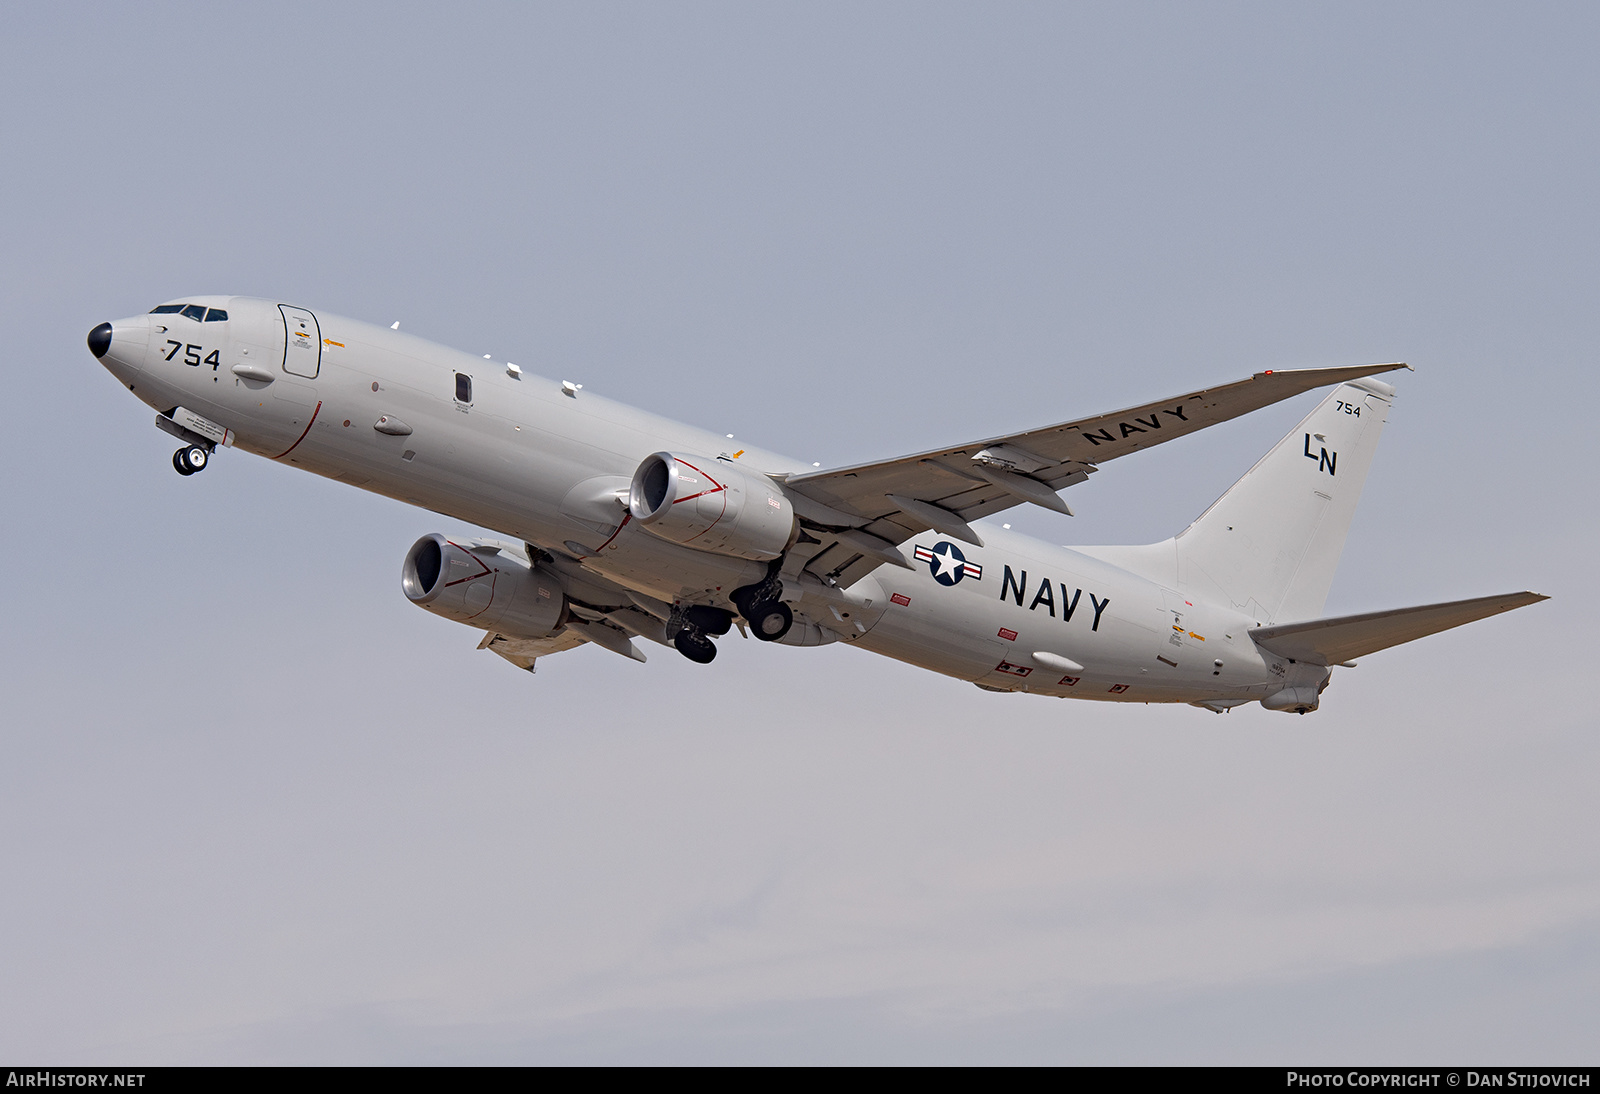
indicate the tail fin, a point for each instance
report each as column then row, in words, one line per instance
column 1270, row 545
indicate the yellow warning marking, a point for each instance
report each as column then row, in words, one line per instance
column 1199, row 636
column 739, row 453
column 1177, row 628
column 331, row 342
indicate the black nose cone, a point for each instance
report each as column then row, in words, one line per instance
column 100, row 340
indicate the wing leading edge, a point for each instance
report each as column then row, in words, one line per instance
column 945, row 489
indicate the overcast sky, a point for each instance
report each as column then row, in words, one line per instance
column 255, row 807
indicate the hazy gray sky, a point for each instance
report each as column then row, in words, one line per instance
column 256, row 807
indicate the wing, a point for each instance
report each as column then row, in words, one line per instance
column 854, row 517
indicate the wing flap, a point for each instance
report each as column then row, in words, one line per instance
column 607, row 636
column 1343, row 638
column 522, row 652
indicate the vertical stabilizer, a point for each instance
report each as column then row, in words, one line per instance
column 1270, row 545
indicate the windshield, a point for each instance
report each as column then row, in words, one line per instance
column 198, row 312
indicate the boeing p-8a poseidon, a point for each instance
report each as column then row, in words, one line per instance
column 623, row 525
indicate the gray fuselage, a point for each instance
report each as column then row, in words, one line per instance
column 528, row 458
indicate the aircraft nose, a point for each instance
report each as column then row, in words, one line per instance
column 100, row 340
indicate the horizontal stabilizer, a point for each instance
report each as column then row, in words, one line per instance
column 1332, row 641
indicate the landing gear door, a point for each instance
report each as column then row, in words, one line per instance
column 302, row 342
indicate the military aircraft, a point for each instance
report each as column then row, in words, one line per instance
column 622, row 525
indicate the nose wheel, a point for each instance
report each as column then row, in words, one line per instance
column 186, row 461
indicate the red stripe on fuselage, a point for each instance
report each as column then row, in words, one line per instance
column 309, row 424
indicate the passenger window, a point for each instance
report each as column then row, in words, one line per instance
column 195, row 312
column 463, row 388
column 216, row 315
column 166, row 309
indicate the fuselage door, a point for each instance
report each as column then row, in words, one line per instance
column 302, row 342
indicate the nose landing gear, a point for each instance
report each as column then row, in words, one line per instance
column 200, row 438
column 187, row 461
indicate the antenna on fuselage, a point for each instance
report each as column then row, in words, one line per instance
column 395, row 325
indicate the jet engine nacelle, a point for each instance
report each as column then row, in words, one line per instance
column 711, row 505
column 482, row 585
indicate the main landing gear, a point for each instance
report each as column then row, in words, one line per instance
column 693, row 627
column 695, row 646
column 697, row 624
column 187, row 461
column 769, row 620
column 769, row 617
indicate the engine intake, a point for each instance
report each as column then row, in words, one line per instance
column 484, row 585
column 711, row 505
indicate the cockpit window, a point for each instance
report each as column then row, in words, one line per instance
column 166, row 309
column 194, row 311
column 216, row 315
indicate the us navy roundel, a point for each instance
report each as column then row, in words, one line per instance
column 947, row 564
